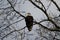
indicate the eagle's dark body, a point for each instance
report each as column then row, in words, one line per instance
column 29, row 22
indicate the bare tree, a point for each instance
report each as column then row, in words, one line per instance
column 10, row 17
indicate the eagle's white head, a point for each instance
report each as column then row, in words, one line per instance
column 28, row 14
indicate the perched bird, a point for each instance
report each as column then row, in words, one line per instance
column 29, row 21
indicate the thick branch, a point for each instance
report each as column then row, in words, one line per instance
column 15, row 10
column 54, row 23
column 46, row 27
column 39, row 8
column 45, row 14
column 55, row 4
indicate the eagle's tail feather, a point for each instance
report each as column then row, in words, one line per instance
column 30, row 28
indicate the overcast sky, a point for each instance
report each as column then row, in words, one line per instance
column 38, row 15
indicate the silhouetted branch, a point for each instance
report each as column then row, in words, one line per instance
column 43, row 20
column 15, row 10
column 12, row 23
column 47, row 19
column 40, row 3
column 46, row 27
column 5, row 8
column 39, row 8
column 12, row 32
column 45, row 14
column 55, row 4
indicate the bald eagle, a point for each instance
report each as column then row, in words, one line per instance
column 29, row 21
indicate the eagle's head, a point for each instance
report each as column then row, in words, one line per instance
column 28, row 14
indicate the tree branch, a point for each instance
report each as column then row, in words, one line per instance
column 12, row 32
column 46, row 27
column 39, row 8
column 45, row 14
column 55, row 4
column 15, row 10
column 41, row 3
column 12, row 24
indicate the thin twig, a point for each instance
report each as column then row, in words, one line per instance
column 12, row 32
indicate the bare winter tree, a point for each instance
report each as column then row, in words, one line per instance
column 11, row 19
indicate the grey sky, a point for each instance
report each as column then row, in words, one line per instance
column 36, row 13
